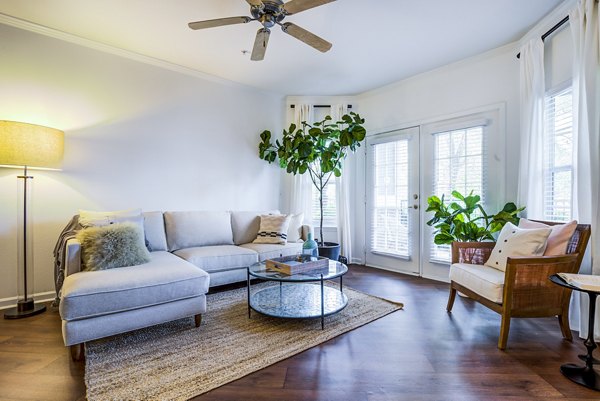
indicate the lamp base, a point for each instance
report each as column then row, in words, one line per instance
column 24, row 308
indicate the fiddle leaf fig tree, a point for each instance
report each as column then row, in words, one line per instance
column 317, row 149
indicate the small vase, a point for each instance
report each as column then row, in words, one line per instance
column 310, row 246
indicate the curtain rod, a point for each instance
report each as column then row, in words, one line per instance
column 293, row 106
column 552, row 30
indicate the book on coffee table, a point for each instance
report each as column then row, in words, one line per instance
column 583, row 281
column 297, row 264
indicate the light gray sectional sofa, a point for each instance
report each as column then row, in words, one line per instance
column 191, row 251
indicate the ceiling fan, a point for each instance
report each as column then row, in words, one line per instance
column 270, row 13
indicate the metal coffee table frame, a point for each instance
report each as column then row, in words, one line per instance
column 297, row 296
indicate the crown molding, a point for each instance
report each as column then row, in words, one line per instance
column 78, row 40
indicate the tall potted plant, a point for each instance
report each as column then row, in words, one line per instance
column 317, row 149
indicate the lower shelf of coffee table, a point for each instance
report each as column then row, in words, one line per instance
column 297, row 300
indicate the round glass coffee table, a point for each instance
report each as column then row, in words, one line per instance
column 298, row 296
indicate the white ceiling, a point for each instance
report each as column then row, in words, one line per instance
column 375, row 42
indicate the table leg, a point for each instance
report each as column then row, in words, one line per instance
column 322, row 306
column 585, row 375
column 248, row 284
column 341, row 288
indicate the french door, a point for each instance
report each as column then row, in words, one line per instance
column 392, row 201
column 406, row 166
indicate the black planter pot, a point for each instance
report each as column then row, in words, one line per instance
column 330, row 250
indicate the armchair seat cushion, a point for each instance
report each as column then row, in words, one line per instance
column 166, row 278
column 483, row 280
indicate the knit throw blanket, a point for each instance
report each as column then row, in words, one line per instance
column 60, row 251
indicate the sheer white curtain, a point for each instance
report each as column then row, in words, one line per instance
column 342, row 195
column 531, row 167
column 586, row 137
column 300, row 184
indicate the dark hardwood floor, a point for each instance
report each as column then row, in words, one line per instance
column 419, row 353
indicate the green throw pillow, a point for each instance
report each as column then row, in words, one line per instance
column 114, row 245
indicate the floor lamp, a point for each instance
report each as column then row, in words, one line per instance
column 28, row 146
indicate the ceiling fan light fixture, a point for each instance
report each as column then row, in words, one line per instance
column 270, row 13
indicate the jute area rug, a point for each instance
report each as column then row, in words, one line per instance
column 176, row 361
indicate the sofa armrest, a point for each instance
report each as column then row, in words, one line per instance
column 306, row 228
column 72, row 257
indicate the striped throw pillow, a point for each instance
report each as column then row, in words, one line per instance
column 273, row 229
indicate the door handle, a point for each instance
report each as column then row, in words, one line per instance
column 415, row 206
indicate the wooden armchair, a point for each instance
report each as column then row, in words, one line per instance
column 525, row 288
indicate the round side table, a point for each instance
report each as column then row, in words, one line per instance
column 584, row 375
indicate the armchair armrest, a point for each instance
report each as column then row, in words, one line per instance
column 526, row 284
column 72, row 257
column 471, row 252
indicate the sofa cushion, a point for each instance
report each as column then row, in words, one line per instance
column 196, row 228
column 154, row 229
column 270, row 251
column 164, row 279
column 219, row 257
column 484, row 280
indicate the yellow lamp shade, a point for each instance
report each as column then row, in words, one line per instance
column 30, row 145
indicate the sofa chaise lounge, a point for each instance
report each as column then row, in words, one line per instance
column 191, row 251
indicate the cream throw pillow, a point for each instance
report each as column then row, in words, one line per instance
column 294, row 233
column 273, row 229
column 559, row 237
column 515, row 241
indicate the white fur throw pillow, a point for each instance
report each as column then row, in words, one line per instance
column 515, row 241
column 110, row 246
column 273, row 229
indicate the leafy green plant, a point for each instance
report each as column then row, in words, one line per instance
column 317, row 149
column 466, row 220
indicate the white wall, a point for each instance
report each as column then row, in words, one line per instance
column 457, row 89
column 136, row 136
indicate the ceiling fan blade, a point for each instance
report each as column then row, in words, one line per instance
column 307, row 37
column 297, row 6
column 212, row 23
column 256, row 3
column 260, row 44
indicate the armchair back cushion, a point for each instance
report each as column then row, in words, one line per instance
column 197, row 228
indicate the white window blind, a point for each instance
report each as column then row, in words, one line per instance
column 558, row 155
column 458, row 166
column 329, row 205
column 390, row 223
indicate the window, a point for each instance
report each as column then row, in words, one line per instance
column 458, row 158
column 558, row 155
column 390, row 222
column 329, row 205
